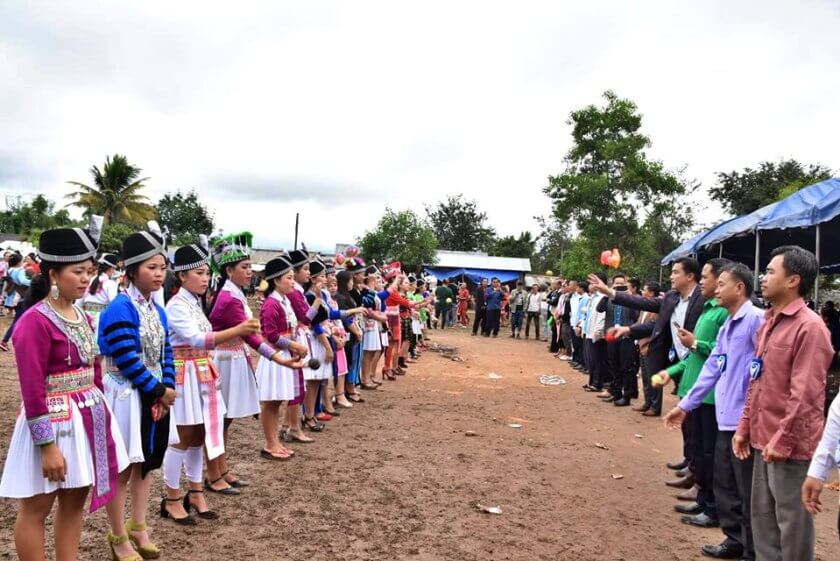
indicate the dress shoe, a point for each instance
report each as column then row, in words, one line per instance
column 690, row 495
column 641, row 408
column 682, row 483
column 683, row 472
column 722, row 551
column 690, row 508
column 623, row 402
column 651, row 413
column 701, row 521
column 678, row 465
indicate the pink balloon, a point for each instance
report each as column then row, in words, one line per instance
column 351, row 251
column 339, row 259
column 605, row 257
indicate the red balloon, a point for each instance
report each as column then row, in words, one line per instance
column 610, row 337
column 605, row 257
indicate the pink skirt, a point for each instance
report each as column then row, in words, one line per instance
column 341, row 362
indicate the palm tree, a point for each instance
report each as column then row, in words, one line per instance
column 115, row 193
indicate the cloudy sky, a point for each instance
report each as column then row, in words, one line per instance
column 335, row 109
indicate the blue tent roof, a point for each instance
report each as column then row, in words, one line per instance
column 807, row 207
column 736, row 226
column 683, row 250
column 475, row 275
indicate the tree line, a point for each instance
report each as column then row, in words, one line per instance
column 608, row 193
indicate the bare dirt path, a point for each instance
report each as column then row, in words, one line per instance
column 397, row 478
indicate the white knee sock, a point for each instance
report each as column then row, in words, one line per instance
column 172, row 462
column 194, row 464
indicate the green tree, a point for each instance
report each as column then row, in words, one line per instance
column 35, row 216
column 113, row 236
column 400, row 236
column 183, row 217
column 609, row 185
column 551, row 244
column 459, row 225
column 116, row 193
column 513, row 246
column 748, row 190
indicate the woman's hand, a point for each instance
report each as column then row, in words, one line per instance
column 248, row 327
column 329, row 355
column 53, row 466
column 298, row 349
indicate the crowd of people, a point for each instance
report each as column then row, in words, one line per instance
column 122, row 375
column 750, row 375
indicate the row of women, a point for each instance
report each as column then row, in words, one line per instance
column 173, row 379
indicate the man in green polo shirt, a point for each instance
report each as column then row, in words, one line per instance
column 701, row 423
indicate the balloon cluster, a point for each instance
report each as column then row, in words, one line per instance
column 611, row 258
column 350, row 257
column 391, row 270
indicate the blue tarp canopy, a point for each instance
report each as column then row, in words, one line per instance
column 792, row 220
column 475, row 275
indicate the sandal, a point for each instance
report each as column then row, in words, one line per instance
column 355, row 397
column 236, row 482
column 208, row 485
column 369, row 386
column 274, row 456
column 333, row 413
column 316, row 427
column 119, row 540
column 207, row 514
column 148, row 551
column 292, row 436
column 185, row 521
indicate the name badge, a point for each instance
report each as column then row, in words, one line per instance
column 672, row 355
column 756, row 366
column 721, row 363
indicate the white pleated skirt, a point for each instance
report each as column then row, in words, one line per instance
column 416, row 326
column 22, row 474
column 276, row 382
column 372, row 340
column 237, row 382
column 193, row 406
column 325, row 370
column 124, row 401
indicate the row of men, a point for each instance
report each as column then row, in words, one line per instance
column 175, row 377
column 751, row 384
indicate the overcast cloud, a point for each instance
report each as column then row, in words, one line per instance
column 335, row 109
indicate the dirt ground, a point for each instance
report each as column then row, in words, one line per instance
column 397, row 478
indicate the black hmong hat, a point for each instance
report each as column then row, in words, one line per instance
column 298, row 257
column 371, row 270
column 277, row 267
column 330, row 267
column 356, row 265
column 316, row 268
column 140, row 246
column 110, row 259
column 412, row 279
column 190, row 257
column 70, row 245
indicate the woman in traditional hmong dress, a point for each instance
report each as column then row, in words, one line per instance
column 278, row 382
column 373, row 325
column 199, row 411
column 65, row 440
column 231, row 258
column 139, row 386
column 340, row 337
column 102, row 290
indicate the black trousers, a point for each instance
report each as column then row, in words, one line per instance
column 705, row 439
column 733, row 491
column 653, row 396
column 622, row 368
column 556, row 339
column 688, row 427
column 480, row 320
column 491, row 322
column 577, row 348
column 598, row 369
column 536, row 317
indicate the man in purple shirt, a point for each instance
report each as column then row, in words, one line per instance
column 727, row 371
column 783, row 413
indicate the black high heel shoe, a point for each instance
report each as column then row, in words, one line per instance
column 207, row 514
column 316, row 427
column 186, row 521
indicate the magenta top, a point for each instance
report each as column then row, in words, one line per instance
column 229, row 311
column 274, row 323
column 41, row 349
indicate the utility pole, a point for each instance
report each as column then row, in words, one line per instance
column 297, row 221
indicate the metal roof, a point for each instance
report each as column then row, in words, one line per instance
column 480, row 260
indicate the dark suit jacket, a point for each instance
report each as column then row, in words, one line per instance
column 608, row 307
column 659, row 331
